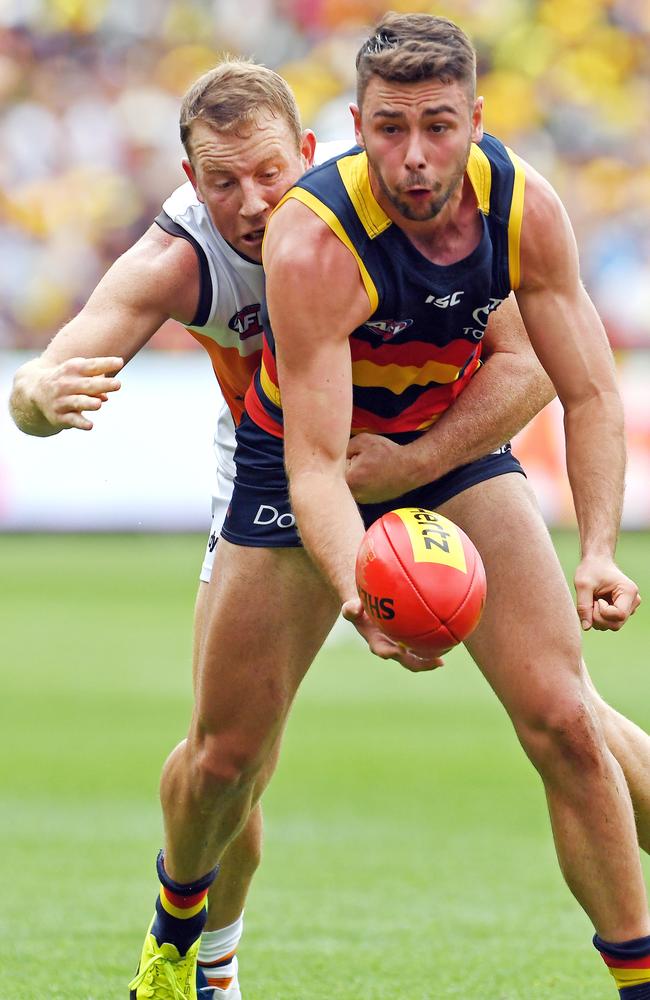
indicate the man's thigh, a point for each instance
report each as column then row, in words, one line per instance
column 528, row 641
column 263, row 617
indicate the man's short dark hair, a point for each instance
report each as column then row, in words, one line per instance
column 408, row 48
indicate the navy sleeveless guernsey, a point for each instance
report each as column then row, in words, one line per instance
column 422, row 343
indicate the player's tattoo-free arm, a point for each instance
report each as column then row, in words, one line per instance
column 570, row 341
column 303, row 262
column 155, row 279
column 505, row 394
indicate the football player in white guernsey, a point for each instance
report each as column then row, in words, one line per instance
column 227, row 320
column 200, row 263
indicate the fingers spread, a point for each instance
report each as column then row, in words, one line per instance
column 99, row 385
column 77, row 403
column 97, row 366
column 76, row 420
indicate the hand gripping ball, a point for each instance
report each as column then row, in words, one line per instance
column 421, row 580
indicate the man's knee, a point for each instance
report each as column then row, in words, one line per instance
column 228, row 764
column 563, row 736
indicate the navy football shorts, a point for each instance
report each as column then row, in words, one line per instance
column 260, row 512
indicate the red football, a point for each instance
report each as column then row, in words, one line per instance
column 421, row 579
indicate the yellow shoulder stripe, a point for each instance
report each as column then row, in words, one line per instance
column 269, row 388
column 334, row 223
column 515, row 220
column 479, row 172
column 354, row 174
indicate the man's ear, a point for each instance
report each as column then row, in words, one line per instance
column 477, row 120
column 308, row 147
column 356, row 118
column 191, row 176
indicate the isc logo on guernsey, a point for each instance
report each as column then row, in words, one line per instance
column 271, row 515
column 444, row 301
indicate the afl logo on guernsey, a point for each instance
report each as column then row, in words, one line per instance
column 388, row 328
column 247, row 322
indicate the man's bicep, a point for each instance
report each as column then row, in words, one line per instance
column 133, row 299
column 314, row 375
column 562, row 323
column 315, row 298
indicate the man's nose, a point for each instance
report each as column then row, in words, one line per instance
column 415, row 159
column 253, row 201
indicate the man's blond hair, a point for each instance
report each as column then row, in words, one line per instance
column 408, row 48
column 230, row 96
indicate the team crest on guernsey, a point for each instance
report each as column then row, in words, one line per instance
column 247, row 321
column 388, row 328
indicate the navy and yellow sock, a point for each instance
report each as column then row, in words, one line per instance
column 629, row 964
column 181, row 910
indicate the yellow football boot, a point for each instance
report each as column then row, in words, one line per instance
column 164, row 974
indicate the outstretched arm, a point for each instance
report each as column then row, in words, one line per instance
column 570, row 341
column 505, row 394
column 157, row 278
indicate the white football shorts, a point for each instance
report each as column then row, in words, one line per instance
column 220, row 501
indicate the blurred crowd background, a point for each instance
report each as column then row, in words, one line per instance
column 89, row 98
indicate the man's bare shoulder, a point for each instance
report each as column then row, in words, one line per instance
column 541, row 201
column 296, row 236
column 547, row 241
column 308, row 266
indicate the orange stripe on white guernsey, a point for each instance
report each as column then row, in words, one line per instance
column 233, row 371
column 220, row 984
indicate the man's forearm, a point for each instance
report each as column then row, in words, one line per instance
column 595, row 440
column 330, row 527
column 504, row 396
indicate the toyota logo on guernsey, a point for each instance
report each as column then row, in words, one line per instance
column 388, row 328
column 481, row 317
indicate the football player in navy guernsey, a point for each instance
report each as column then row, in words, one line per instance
column 200, row 263
column 431, row 209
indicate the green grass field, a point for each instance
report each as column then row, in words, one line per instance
column 407, row 850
